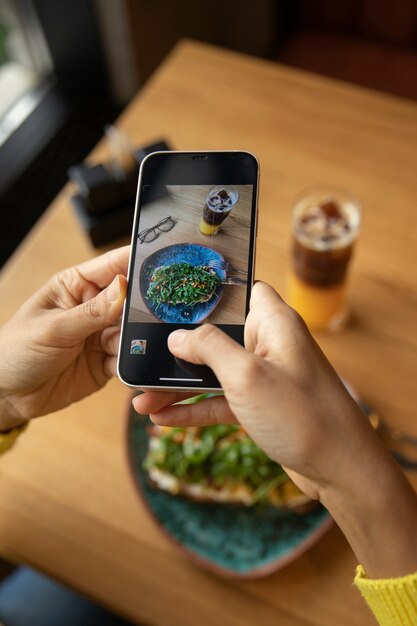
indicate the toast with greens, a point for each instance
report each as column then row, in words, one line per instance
column 219, row 463
column 182, row 283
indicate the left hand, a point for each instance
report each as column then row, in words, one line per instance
column 61, row 346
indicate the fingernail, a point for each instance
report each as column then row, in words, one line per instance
column 176, row 338
column 114, row 290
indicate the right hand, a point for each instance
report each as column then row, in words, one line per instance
column 281, row 389
column 287, row 396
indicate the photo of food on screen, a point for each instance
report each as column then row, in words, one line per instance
column 192, row 256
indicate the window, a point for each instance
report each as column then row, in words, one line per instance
column 25, row 64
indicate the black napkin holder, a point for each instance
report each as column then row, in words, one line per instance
column 105, row 204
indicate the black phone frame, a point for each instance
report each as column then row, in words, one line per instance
column 187, row 168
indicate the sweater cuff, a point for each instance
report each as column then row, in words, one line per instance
column 392, row 600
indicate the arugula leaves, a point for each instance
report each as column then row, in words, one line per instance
column 182, row 283
column 213, row 456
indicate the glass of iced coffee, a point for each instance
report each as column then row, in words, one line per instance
column 219, row 202
column 326, row 225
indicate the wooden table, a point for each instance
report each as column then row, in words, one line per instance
column 67, row 504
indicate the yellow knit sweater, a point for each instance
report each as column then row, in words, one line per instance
column 392, row 600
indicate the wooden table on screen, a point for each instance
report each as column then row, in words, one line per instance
column 67, row 503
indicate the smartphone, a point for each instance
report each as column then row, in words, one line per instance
column 191, row 261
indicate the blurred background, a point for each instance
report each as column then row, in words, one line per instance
column 69, row 67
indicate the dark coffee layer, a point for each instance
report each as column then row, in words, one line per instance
column 215, row 218
column 321, row 267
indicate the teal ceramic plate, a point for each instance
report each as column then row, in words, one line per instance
column 233, row 541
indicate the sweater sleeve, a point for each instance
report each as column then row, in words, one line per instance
column 393, row 600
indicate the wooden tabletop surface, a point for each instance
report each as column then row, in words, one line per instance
column 67, row 503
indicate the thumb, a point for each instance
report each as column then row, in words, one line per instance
column 267, row 320
column 208, row 345
column 97, row 313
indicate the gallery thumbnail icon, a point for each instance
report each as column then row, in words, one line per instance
column 138, row 346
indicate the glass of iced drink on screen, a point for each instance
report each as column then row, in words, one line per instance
column 325, row 227
column 219, row 202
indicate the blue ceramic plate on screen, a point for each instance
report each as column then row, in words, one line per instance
column 191, row 253
column 233, row 541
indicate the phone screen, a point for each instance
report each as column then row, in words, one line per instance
column 191, row 261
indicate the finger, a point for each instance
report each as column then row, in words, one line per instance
column 264, row 325
column 264, row 296
column 154, row 401
column 82, row 283
column 110, row 366
column 102, row 269
column 109, row 340
column 211, row 411
column 210, row 346
column 93, row 315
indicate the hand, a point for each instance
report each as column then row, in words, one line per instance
column 61, row 346
column 281, row 389
column 287, row 396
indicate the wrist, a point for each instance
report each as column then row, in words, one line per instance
column 376, row 509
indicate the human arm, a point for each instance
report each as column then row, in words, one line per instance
column 289, row 399
column 61, row 345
